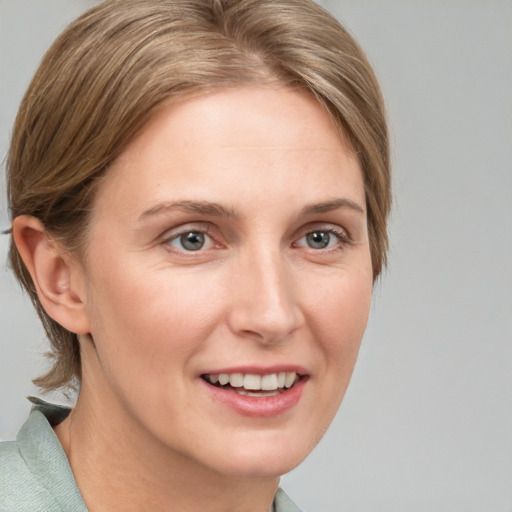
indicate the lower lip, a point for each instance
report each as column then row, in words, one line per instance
column 258, row 406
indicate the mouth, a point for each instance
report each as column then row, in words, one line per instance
column 254, row 385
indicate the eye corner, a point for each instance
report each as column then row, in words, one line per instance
column 323, row 238
column 190, row 240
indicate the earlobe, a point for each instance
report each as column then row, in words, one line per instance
column 55, row 273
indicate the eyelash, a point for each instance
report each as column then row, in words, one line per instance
column 202, row 230
column 341, row 235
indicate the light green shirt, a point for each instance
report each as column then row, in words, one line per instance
column 35, row 474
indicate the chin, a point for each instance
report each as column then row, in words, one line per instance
column 261, row 467
column 264, row 458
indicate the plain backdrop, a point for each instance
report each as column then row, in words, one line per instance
column 427, row 421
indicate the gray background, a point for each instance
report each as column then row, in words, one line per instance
column 427, row 421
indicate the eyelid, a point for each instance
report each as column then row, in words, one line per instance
column 341, row 233
column 202, row 227
column 191, row 227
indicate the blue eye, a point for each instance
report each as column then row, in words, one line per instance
column 321, row 239
column 318, row 239
column 191, row 241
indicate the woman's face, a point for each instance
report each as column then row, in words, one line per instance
column 228, row 242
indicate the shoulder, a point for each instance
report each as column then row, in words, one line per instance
column 19, row 489
column 283, row 503
column 35, row 471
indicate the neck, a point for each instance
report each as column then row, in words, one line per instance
column 119, row 466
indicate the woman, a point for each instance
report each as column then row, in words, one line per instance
column 199, row 192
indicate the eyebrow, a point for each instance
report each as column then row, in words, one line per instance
column 198, row 207
column 218, row 210
column 328, row 206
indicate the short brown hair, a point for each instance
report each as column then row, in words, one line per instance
column 112, row 68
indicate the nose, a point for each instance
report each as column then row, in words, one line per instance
column 264, row 301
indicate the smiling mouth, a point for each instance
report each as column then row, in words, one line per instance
column 250, row 384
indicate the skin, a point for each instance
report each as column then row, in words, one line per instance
column 153, row 317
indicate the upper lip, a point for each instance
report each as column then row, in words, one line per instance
column 258, row 370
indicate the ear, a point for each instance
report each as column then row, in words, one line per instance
column 57, row 275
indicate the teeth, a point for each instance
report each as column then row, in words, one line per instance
column 253, row 393
column 236, row 380
column 269, row 382
column 253, row 382
column 290, row 379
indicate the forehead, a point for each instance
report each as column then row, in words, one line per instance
column 251, row 138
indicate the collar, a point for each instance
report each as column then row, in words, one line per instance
column 45, row 457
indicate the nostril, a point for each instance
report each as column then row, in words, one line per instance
column 264, row 305
column 265, row 327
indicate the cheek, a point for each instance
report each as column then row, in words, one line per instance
column 338, row 315
column 153, row 313
column 341, row 317
column 340, row 306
